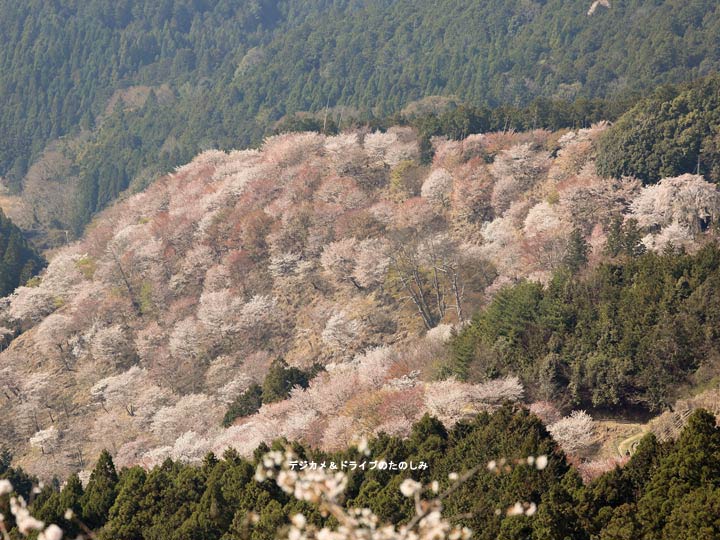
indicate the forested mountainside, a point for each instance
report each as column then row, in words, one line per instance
column 19, row 261
column 134, row 88
column 674, row 131
column 325, row 286
column 666, row 490
column 470, row 248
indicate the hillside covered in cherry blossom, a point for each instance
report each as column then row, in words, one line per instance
column 340, row 259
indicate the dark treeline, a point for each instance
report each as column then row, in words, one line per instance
column 627, row 333
column 671, row 132
column 667, row 490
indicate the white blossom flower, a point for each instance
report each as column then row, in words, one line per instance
column 363, row 447
column 299, row 521
column 52, row 532
column 410, row 487
column 516, row 510
column 25, row 522
column 5, row 487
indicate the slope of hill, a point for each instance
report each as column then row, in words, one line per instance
column 143, row 86
column 343, row 253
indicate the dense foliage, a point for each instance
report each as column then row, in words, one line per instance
column 674, row 131
column 18, row 259
column 626, row 333
column 61, row 61
column 348, row 252
column 667, row 490
column 145, row 85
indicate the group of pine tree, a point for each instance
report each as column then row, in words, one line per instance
column 19, row 261
column 668, row 490
column 625, row 334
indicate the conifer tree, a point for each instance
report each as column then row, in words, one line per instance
column 100, row 493
column 122, row 517
column 694, row 464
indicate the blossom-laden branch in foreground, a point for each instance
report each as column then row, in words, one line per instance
column 325, row 488
column 27, row 525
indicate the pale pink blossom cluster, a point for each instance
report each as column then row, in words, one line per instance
column 676, row 210
column 363, row 397
column 303, row 250
column 574, row 433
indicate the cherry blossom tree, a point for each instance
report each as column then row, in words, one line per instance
column 437, row 187
column 341, row 331
column 546, row 236
column 470, row 197
column 340, row 432
column 218, row 311
column 377, row 145
column 371, row 262
column 373, row 365
column 502, row 245
column 329, row 391
column 440, row 334
column 451, row 400
column 197, row 410
column 686, row 203
column 596, row 4
column 497, row 391
column 52, row 336
column 28, row 305
column 341, row 191
column 112, row 345
column 291, row 148
column 284, row 264
column 338, row 259
column 236, row 386
column 259, row 318
column 400, row 408
column 345, row 153
column 190, row 447
column 545, row 411
column 194, row 266
column 46, row 440
column 188, row 339
column 675, row 235
column 217, row 278
column 516, row 170
column 130, row 394
column 416, row 214
column 148, row 341
column 574, row 433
